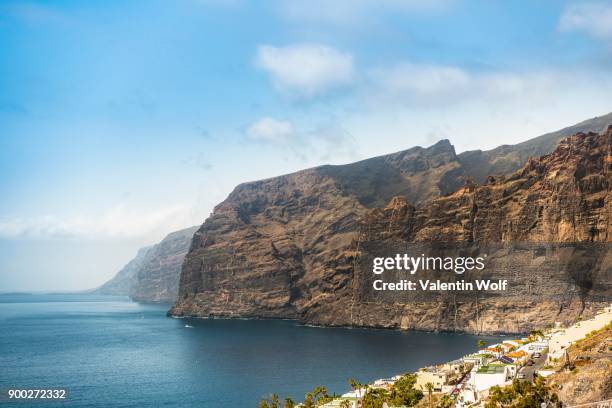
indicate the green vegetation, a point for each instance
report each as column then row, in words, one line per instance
column 481, row 344
column 445, row 402
column 375, row 398
column 429, row 386
column 318, row 396
column 355, row 385
column 402, row 393
column 535, row 334
column 522, row 394
column 272, row 402
column 491, row 369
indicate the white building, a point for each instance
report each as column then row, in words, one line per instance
column 533, row 347
column 385, row 383
column 488, row 376
column 337, row 403
column 358, row 393
column 431, row 375
column 477, row 360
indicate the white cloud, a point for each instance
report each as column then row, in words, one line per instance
column 403, row 103
column 439, row 85
column 593, row 18
column 423, row 79
column 306, row 70
column 323, row 141
column 347, row 13
column 330, row 142
column 271, row 130
column 118, row 222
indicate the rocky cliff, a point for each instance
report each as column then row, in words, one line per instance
column 153, row 275
column 121, row 283
column 158, row 276
column 294, row 246
column 273, row 244
column 590, row 378
column 545, row 229
column 506, row 159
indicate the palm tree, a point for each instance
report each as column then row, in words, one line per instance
column 320, row 392
column 309, row 401
column 375, row 398
column 345, row 404
column 289, row 403
column 429, row 387
column 480, row 344
column 274, row 401
column 355, row 385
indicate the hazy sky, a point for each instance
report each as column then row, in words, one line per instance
column 121, row 121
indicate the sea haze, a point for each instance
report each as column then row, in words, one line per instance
column 108, row 351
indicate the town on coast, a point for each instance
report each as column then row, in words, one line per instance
column 516, row 371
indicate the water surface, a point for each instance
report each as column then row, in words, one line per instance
column 110, row 352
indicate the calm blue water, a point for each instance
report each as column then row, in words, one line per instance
column 110, row 352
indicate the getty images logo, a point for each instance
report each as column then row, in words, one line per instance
column 412, row 264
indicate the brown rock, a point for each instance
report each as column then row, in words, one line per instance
column 300, row 245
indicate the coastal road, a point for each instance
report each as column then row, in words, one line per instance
column 529, row 371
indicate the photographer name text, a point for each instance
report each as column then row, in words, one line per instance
column 410, row 265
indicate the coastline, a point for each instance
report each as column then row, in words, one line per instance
column 491, row 371
column 321, row 326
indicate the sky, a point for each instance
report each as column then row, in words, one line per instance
column 122, row 121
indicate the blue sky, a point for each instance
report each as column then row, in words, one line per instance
column 121, row 121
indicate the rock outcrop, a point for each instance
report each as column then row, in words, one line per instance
column 121, row 283
column 506, row 159
column 590, row 378
column 545, row 229
column 158, row 277
column 298, row 246
column 153, row 275
column 273, row 244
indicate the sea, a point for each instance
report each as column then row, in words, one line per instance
column 112, row 352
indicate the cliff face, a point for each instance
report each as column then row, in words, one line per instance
column 299, row 246
column 157, row 278
column 508, row 158
column 153, row 275
column 121, row 283
column 273, row 245
column 545, row 229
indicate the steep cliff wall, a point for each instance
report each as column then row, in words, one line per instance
column 153, row 275
column 158, row 276
column 288, row 246
column 273, row 245
column 545, row 229
column 121, row 283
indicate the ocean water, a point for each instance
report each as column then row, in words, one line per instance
column 110, row 352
